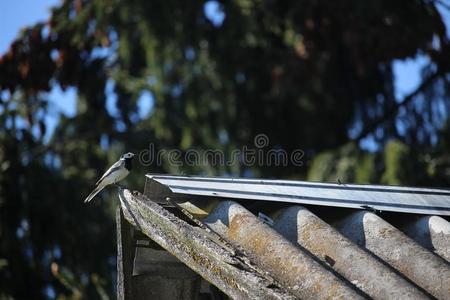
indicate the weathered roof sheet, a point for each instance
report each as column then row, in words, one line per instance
column 214, row 262
column 377, row 197
column 294, row 251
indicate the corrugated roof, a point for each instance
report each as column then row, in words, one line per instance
column 378, row 197
column 301, row 251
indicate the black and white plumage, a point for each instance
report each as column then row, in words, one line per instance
column 117, row 172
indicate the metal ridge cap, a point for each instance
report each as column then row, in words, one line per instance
column 419, row 201
column 300, row 183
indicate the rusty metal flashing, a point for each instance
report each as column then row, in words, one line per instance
column 195, row 249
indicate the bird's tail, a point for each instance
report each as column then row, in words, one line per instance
column 97, row 189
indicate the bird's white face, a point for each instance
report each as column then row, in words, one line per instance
column 127, row 155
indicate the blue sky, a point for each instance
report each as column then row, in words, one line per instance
column 15, row 15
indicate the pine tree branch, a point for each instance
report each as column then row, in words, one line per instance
column 442, row 3
column 392, row 112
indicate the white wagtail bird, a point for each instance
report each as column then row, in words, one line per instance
column 117, row 172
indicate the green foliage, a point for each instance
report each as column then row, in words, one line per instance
column 346, row 164
column 396, row 157
column 366, row 169
column 322, row 167
column 311, row 75
column 396, row 165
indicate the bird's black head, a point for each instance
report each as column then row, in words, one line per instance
column 127, row 156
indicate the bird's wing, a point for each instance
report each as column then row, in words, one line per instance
column 116, row 166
